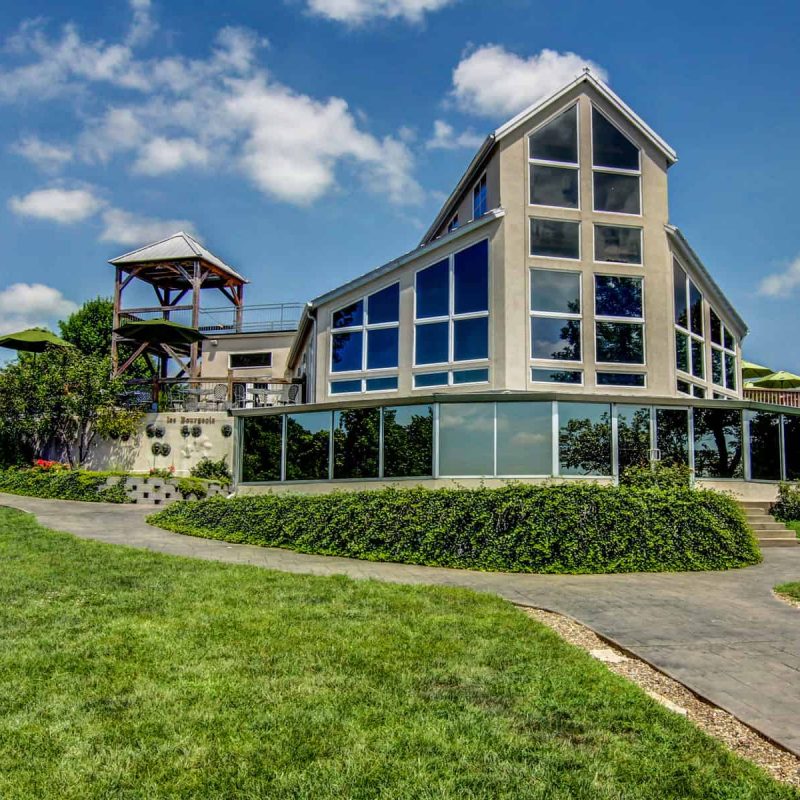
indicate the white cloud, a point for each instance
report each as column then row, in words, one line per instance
column 161, row 155
column 781, row 283
column 491, row 81
column 445, row 138
column 64, row 206
column 45, row 155
column 124, row 227
column 142, row 25
column 29, row 305
column 358, row 12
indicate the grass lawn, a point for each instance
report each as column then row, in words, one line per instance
column 128, row 674
column 790, row 590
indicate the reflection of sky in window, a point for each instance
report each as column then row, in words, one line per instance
column 466, row 439
column 524, row 439
column 551, row 338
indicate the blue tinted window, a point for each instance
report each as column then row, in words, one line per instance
column 384, row 306
column 433, row 291
column 470, row 339
column 382, row 348
column 617, row 296
column 343, row 387
column 346, row 354
column 381, row 384
column 430, row 379
column 479, row 199
column 620, row 379
column 432, row 343
column 349, row 317
column 556, row 376
column 471, row 279
column 552, row 337
column 471, row 376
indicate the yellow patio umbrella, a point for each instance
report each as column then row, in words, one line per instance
column 777, row 380
column 751, row 370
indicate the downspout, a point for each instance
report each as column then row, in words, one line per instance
column 313, row 357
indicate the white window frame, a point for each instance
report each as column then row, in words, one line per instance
column 450, row 382
column 548, row 368
column 564, row 259
column 615, row 170
column 616, row 320
column 687, row 331
column 451, row 317
column 545, row 363
column 541, row 162
column 475, row 189
column 610, row 224
column 364, row 329
column 248, row 353
column 723, row 351
column 614, row 387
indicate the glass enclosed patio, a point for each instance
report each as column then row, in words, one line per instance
column 515, row 436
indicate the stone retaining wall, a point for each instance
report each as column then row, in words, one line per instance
column 160, row 491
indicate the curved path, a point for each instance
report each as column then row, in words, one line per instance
column 722, row 634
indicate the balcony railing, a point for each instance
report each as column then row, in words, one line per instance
column 184, row 395
column 778, row 397
column 222, row 320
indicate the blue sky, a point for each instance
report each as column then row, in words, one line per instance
column 298, row 138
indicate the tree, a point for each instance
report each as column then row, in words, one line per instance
column 90, row 327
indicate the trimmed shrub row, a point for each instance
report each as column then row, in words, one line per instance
column 63, row 484
column 554, row 528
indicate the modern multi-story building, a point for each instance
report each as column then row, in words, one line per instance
column 552, row 322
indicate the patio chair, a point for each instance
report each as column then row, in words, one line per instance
column 220, row 396
column 289, row 397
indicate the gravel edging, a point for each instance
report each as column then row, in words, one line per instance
column 785, row 598
column 716, row 722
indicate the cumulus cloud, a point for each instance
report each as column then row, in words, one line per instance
column 358, row 12
column 30, row 305
column 445, row 138
column 223, row 111
column 64, row 206
column 491, row 81
column 142, row 24
column 126, row 228
column 781, row 283
column 45, row 155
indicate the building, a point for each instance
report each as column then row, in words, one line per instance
column 552, row 322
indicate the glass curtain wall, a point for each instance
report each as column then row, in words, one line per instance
column 516, row 439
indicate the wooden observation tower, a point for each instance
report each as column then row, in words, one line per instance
column 178, row 269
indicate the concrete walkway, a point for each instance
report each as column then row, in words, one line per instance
column 722, row 634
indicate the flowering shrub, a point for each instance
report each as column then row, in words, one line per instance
column 43, row 463
column 162, row 472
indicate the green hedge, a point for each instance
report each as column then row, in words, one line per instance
column 63, row 484
column 566, row 528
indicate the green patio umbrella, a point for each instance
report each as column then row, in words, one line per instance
column 32, row 340
column 777, row 380
column 160, row 331
column 751, row 370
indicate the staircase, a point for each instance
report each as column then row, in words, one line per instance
column 768, row 531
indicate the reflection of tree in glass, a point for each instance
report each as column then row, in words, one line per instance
column 633, row 437
column 718, row 443
column 355, row 443
column 408, row 446
column 306, row 452
column 261, row 449
column 586, row 446
column 672, row 428
column 571, row 336
column 765, row 446
column 617, row 297
column 619, row 342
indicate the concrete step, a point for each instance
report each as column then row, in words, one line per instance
column 774, row 534
column 755, row 505
column 768, row 526
column 783, row 542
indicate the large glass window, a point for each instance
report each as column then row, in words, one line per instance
column 554, row 171
column 466, row 439
column 617, row 244
column 718, row 443
column 524, row 439
column 689, row 329
column 308, row 445
column 452, row 308
column 672, row 435
column 584, row 444
column 248, row 360
column 356, row 434
column 633, row 436
column 365, row 337
column 791, row 446
column 555, row 307
column 724, row 367
column 261, row 448
column 617, row 168
column 408, row 441
column 555, row 238
column 765, row 445
column 616, row 299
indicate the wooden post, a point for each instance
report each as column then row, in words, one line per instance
column 194, row 371
column 238, row 293
column 115, row 324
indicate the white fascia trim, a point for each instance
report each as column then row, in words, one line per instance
column 707, row 283
column 422, row 250
column 615, row 100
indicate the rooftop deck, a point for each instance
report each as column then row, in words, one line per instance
column 778, row 397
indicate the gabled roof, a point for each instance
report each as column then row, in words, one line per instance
column 507, row 128
column 178, row 247
column 703, row 278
